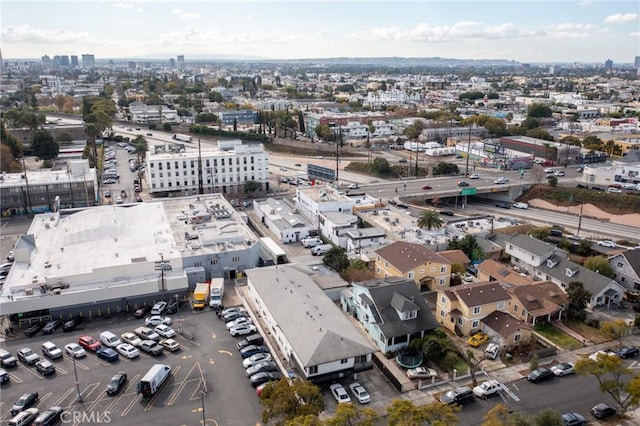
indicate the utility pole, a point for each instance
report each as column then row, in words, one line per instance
column 466, row 172
column 338, row 143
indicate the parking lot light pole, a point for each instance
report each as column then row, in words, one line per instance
column 75, row 372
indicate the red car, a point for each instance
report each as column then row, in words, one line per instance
column 426, row 187
column 89, row 343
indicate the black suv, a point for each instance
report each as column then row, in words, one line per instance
column 462, row 395
column 51, row 326
column 49, row 417
column 72, row 324
column 24, row 402
column 173, row 306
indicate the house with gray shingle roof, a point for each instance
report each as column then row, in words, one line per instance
column 528, row 252
column 317, row 340
column 626, row 267
column 506, row 330
column 392, row 311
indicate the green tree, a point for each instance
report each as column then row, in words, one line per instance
column 8, row 162
column 206, row 117
column 351, row 415
column 324, row 132
column 616, row 329
column 337, row 259
column 539, row 133
column 599, row 264
column 64, row 137
column 539, row 111
column 380, row 167
column 402, row 412
column 613, row 378
column 215, row 97
column 251, row 186
column 579, row 299
column 44, row 145
column 548, row 417
column 469, row 245
column 285, row 400
column 141, row 147
column 444, row 168
column 59, row 101
column 436, row 345
column 167, row 127
column 301, row 122
column 10, row 141
column 430, row 219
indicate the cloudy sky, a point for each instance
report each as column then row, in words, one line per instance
column 525, row 31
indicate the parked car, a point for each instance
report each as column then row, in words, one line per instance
column 157, row 320
column 264, row 377
column 594, row 356
column 573, row 419
column 49, row 417
column 116, row 383
column 127, row 350
column 242, row 330
column 253, row 339
column 607, row 243
column 461, row 395
column 165, row 331
column 478, row 339
column 24, row 402
column 173, row 306
column 603, row 411
column 562, row 369
column 539, row 374
column 33, row 329
column 51, row 326
column 252, row 350
column 627, row 352
column 151, row 347
column 130, row 338
column 169, row 344
column 238, row 321
column 360, row 393
column 486, row 389
column 339, row 393
column 74, row 350
column 142, row 311
column 6, row 359
column 28, row 356
column 256, row 359
column 71, row 324
column 234, row 315
column 45, row 367
column 89, row 343
column 421, row 373
column 51, row 351
column 108, row 354
column 231, row 309
column 260, row 367
column 159, row 308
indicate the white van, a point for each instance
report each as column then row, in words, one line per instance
column 321, row 249
column 109, row 339
column 310, row 242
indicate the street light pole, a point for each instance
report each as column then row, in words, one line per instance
column 75, row 372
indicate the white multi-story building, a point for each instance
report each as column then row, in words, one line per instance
column 389, row 97
column 145, row 114
column 224, row 170
column 355, row 129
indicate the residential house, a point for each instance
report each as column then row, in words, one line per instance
column 527, row 252
column 561, row 271
column 461, row 308
column 426, row 268
column 391, row 310
column 506, row 330
column 314, row 338
column 456, row 256
column 626, row 267
column 361, row 238
column 536, row 302
column 490, row 270
column 334, row 226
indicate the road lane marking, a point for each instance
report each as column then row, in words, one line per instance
column 197, row 390
column 131, row 404
column 176, row 393
column 38, row 375
column 222, row 351
column 63, row 397
column 15, row 378
column 122, row 394
column 78, row 363
column 153, row 399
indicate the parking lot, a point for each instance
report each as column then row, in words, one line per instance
column 123, row 186
column 211, row 355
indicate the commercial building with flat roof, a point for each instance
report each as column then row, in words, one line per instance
column 113, row 258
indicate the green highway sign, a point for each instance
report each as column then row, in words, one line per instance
column 469, row 191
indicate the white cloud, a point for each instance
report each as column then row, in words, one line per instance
column 584, row 3
column 186, row 15
column 635, row 34
column 619, row 18
column 28, row 34
column 123, row 5
column 568, row 26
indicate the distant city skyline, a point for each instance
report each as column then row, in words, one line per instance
column 589, row 31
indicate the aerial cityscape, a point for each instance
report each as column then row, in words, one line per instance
column 320, row 213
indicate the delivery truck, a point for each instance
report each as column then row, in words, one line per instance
column 200, row 296
column 217, row 293
column 183, row 138
column 152, row 382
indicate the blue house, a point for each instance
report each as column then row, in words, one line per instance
column 391, row 309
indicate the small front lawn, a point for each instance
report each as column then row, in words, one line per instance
column 593, row 334
column 558, row 336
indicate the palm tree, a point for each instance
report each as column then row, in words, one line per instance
column 141, row 147
column 430, row 219
column 92, row 133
